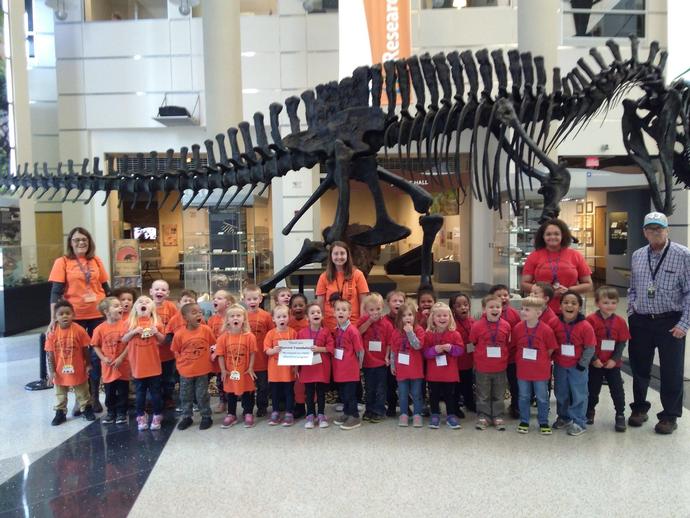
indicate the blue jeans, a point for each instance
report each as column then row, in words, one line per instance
column 153, row 385
column 375, row 384
column 541, row 392
column 414, row 387
column 570, row 387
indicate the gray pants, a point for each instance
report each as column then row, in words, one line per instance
column 195, row 388
column 491, row 388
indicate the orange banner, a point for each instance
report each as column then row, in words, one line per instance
column 388, row 22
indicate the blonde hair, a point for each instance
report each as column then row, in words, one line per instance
column 406, row 306
column 488, row 298
column 372, row 298
column 280, row 307
column 245, row 322
column 104, row 305
column 228, row 295
column 533, row 302
column 391, row 294
column 437, row 308
column 133, row 317
column 251, row 288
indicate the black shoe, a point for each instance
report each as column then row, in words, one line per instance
column 366, row 416
column 185, row 423
column 121, row 419
column 461, row 414
column 620, row 423
column 300, row 411
column 665, row 427
column 637, row 418
column 261, row 412
column 87, row 414
column 206, row 423
column 108, row 419
column 590, row 416
column 59, row 418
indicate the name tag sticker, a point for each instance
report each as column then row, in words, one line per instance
column 529, row 354
column 567, row 349
column 469, row 348
column 608, row 345
column 374, row 346
column 493, row 352
column 441, row 361
column 339, row 354
column 316, row 359
column 403, row 358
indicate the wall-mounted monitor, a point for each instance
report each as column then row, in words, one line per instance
column 145, row 233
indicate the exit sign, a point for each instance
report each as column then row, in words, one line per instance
column 592, row 162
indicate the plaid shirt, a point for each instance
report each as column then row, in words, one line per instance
column 672, row 283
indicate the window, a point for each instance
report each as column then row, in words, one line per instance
column 106, row 10
column 609, row 19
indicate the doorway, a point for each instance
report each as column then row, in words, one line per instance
column 599, row 273
column 49, row 240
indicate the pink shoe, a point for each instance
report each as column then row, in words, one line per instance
column 288, row 420
column 156, row 422
column 249, row 421
column 142, row 422
column 274, row 419
column 323, row 421
column 229, row 421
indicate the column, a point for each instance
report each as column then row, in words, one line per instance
column 539, row 30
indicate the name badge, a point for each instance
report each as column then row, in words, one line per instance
column 316, row 359
column 469, row 348
column 403, row 358
column 235, row 375
column 442, row 361
column 338, row 353
column 529, row 354
column 493, row 352
column 68, row 369
column 567, row 349
column 89, row 297
column 608, row 345
column 374, row 346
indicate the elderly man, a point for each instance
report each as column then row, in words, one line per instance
column 659, row 317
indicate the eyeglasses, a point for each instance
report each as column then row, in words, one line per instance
column 80, row 240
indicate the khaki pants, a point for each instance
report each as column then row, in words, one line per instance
column 80, row 391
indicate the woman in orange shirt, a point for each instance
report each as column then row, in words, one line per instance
column 341, row 280
column 280, row 377
column 80, row 278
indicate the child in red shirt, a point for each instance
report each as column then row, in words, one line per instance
column 107, row 343
column 425, row 299
column 280, row 377
column 69, row 360
column 490, row 337
column 460, row 304
column 260, row 322
column 407, row 363
column 442, row 347
column 348, row 356
column 298, row 321
column 612, row 336
column 316, row 376
column 192, row 348
column 143, row 336
column 394, row 299
column 375, row 331
column 236, row 350
column 510, row 315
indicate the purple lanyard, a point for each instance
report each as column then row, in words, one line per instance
column 568, row 328
column 85, row 270
column 495, row 331
column 608, row 324
column 554, row 267
column 531, row 336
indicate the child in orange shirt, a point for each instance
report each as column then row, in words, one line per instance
column 107, row 342
column 260, row 322
column 192, row 348
column 69, row 360
column 236, row 349
column 281, row 378
column 144, row 336
column 126, row 296
column 222, row 300
column 298, row 321
column 165, row 310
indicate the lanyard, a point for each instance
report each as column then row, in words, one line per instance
column 339, row 333
column 649, row 260
column 236, row 358
column 568, row 328
column 495, row 331
column 531, row 336
column 608, row 324
column 554, row 266
column 375, row 331
column 85, row 270
column 341, row 287
column 465, row 328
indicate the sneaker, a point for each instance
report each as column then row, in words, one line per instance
column 545, row 429
column 403, row 420
column 309, row 424
column 322, row 420
column 500, row 424
column 178, row 409
column 366, row 417
column 288, row 419
column 339, row 407
column 143, row 423
column 453, row 423
column 249, row 420
column 228, row 421
column 206, row 423
column 417, row 421
column 435, row 422
column 481, row 424
column 523, row 428
column 375, row 418
column 156, row 422
column 60, row 417
column 274, row 420
column 88, row 414
column 340, row 419
column 261, row 412
column 637, row 418
column 665, row 427
column 351, row 423
column 620, row 423
column 108, row 419
column 575, row 429
column 590, row 416
column 121, row 419
column 220, row 407
column 185, row 423
column 561, row 423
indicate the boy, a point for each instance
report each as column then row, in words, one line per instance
column 192, row 348
column 491, row 338
column 165, row 310
column 347, row 361
column 281, row 296
column 126, row 296
column 107, row 343
column 394, row 300
column 177, row 321
column 425, row 299
column 69, row 362
column 612, row 335
column 533, row 343
column 510, row 315
column 260, row 323
column 544, row 291
column 376, row 336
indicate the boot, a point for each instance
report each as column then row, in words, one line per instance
column 94, row 388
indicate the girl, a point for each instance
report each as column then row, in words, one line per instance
column 280, row 377
column 143, row 337
column 236, row 349
column 460, row 304
column 347, row 361
column 298, row 305
column 571, row 360
column 316, row 376
column 222, row 300
column 407, row 363
column 425, row 299
column 442, row 347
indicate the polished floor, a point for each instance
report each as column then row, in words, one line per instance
column 82, row 469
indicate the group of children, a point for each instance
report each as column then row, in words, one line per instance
column 433, row 348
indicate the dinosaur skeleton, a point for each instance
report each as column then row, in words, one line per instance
column 347, row 127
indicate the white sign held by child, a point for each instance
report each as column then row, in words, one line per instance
column 295, row 352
